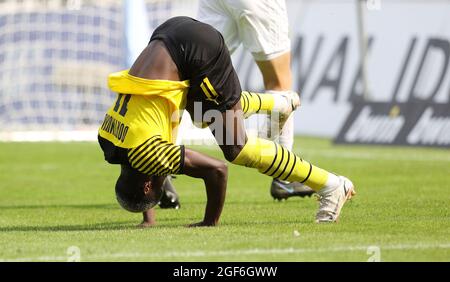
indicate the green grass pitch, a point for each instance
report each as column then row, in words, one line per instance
column 57, row 195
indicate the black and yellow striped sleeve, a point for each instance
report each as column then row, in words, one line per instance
column 157, row 157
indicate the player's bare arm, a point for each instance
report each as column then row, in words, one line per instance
column 214, row 173
column 149, row 219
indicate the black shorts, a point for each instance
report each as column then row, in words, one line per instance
column 200, row 53
column 112, row 153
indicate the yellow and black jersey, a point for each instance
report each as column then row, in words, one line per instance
column 149, row 108
column 140, row 127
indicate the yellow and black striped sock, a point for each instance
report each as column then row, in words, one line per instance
column 277, row 162
column 253, row 103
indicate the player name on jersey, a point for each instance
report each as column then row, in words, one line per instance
column 413, row 123
column 115, row 127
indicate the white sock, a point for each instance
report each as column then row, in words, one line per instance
column 286, row 138
column 280, row 103
column 333, row 182
column 271, row 128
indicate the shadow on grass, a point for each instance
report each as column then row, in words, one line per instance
column 266, row 223
column 109, row 226
column 123, row 225
column 132, row 225
column 94, row 206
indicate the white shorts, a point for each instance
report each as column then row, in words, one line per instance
column 261, row 26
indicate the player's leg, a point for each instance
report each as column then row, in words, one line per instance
column 271, row 51
column 263, row 103
column 278, row 162
column 276, row 71
column 279, row 108
column 262, row 27
column 264, row 31
column 277, row 78
column 219, row 15
column 267, row 156
column 278, row 81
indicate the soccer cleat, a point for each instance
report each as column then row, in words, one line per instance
column 169, row 199
column 283, row 190
column 331, row 203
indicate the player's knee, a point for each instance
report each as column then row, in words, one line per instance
column 220, row 170
column 231, row 152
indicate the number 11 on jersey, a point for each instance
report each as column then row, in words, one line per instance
column 122, row 110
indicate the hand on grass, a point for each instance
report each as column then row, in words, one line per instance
column 202, row 224
column 145, row 224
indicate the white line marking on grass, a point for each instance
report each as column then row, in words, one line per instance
column 45, row 258
column 234, row 253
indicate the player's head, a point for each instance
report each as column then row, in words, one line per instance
column 137, row 192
